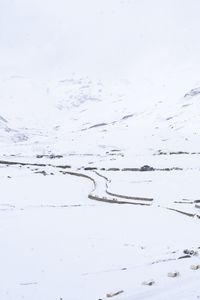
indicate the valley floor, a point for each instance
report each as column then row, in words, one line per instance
column 58, row 244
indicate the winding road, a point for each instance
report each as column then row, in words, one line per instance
column 100, row 191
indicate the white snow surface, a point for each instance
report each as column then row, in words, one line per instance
column 99, row 89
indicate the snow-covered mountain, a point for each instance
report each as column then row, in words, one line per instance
column 9, row 135
column 113, row 70
column 97, row 117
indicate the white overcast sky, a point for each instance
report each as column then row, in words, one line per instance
column 154, row 41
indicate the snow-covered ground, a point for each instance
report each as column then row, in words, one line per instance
column 58, row 244
column 99, row 156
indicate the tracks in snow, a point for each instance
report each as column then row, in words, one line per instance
column 100, row 190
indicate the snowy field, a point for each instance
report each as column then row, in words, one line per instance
column 58, row 244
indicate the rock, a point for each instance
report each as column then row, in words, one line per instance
column 149, row 282
column 41, row 172
column 192, row 93
column 190, row 252
column 110, row 295
column 113, row 169
column 130, row 169
column 173, row 274
column 185, row 256
column 146, row 168
column 63, row 167
column 195, row 267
